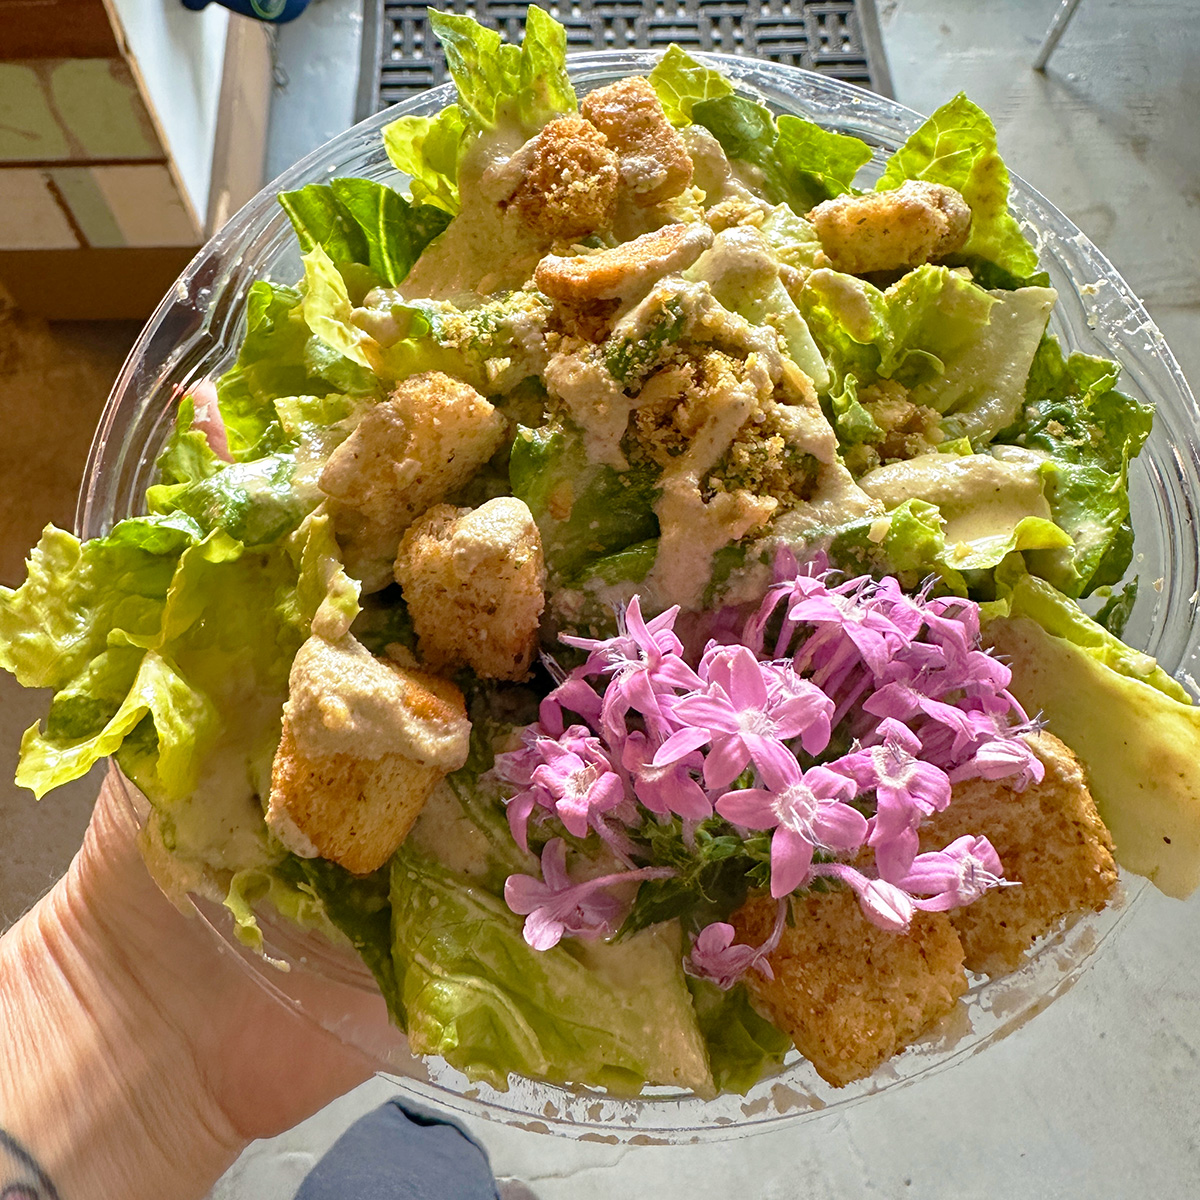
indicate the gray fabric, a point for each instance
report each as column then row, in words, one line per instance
column 394, row 1154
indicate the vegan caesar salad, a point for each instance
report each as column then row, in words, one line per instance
column 629, row 590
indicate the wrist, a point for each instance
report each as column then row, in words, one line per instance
column 98, row 1082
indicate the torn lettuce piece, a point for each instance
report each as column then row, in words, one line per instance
column 1133, row 727
column 361, row 221
column 957, row 147
column 75, row 596
column 428, row 150
column 585, row 511
column 959, row 350
column 680, row 82
column 496, row 80
column 1091, row 431
column 801, row 164
column 255, row 501
column 851, row 421
column 475, row 993
column 187, row 456
column 327, row 311
column 494, row 346
column 742, row 1046
column 280, row 357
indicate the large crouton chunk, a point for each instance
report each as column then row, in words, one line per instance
column 474, row 583
column 1049, row 838
column 890, row 231
column 848, row 994
column 624, row 270
column 365, row 741
column 569, row 187
column 408, row 452
column 652, row 159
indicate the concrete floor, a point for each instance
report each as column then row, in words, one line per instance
column 1100, row 1095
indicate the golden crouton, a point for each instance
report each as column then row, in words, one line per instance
column 1049, row 838
column 625, row 269
column 888, row 231
column 408, row 452
column 850, row 995
column 474, row 583
column 569, row 188
column 653, row 161
column 365, row 741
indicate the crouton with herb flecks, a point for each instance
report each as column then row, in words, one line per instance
column 848, row 994
column 1052, row 845
column 365, row 741
column 915, row 223
column 569, row 185
column 653, row 162
column 408, row 452
column 474, row 581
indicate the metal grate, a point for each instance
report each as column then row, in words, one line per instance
column 837, row 37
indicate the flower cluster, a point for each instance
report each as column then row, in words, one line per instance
column 834, row 719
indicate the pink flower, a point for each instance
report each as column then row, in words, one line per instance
column 645, row 663
column 579, row 779
column 570, row 775
column 554, row 907
column 884, row 904
column 573, row 694
column 852, row 609
column 955, row 876
column 715, row 957
column 668, row 789
column 806, row 811
column 743, row 719
column 906, row 789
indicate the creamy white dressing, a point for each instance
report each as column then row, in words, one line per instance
column 487, row 247
column 343, row 700
column 693, row 529
column 445, row 833
column 978, row 495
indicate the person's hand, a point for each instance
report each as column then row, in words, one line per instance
column 136, row 1059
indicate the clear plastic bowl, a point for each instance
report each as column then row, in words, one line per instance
column 195, row 334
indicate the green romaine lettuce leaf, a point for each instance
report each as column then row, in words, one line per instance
column 957, row 147
column 327, row 310
column 280, row 357
column 1132, row 726
column 361, row 221
column 320, row 219
column 495, row 79
column 75, row 596
column 801, row 163
column 680, row 81
column 545, row 90
column 185, row 724
column 475, row 993
column 428, row 151
column 585, row 511
column 742, row 1046
column 960, row 350
column 1091, row 431
column 187, row 456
